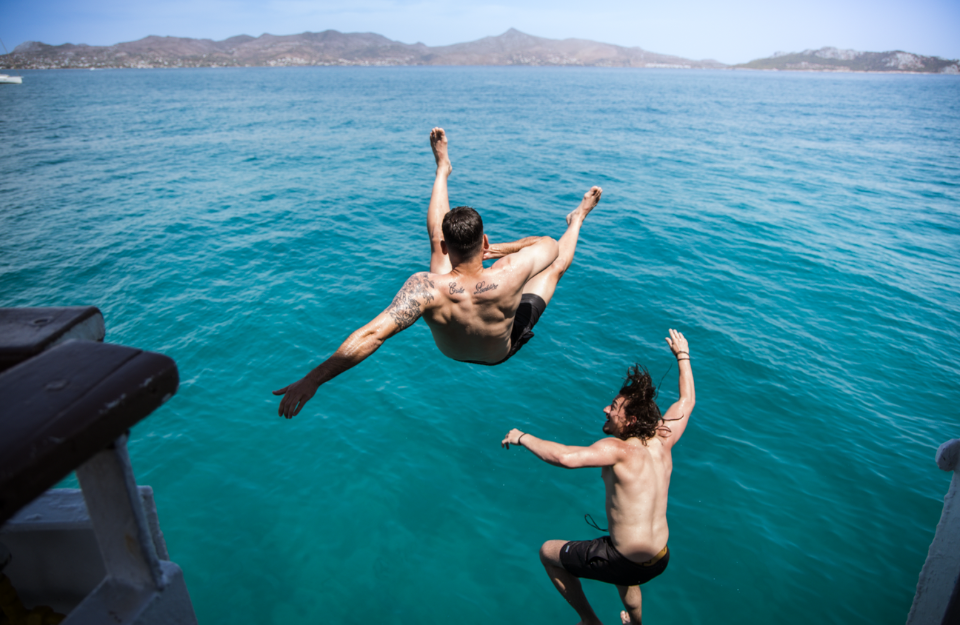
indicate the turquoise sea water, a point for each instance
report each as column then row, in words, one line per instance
column 801, row 229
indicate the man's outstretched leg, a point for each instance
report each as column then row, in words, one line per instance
column 439, row 202
column 545, row 282
column 568, row 585
column 631, row 598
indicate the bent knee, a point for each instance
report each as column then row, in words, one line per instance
column 550, row 552
column 544, row 558
column 558, row 267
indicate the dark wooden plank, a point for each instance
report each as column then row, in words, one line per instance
column 25, row 332
column 60, row 408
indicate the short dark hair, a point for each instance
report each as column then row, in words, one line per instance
column 463, row 231
column 639, row 395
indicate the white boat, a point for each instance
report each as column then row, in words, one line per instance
column 10, row 80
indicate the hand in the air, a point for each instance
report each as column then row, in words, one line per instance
column 294, row 397
column 677, row 343
column 512, row 438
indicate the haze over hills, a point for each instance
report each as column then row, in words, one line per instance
column 513, row 47
column 335, row 48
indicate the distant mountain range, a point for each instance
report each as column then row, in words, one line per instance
column 335, row 48
column 368, row 49
column 832, row 59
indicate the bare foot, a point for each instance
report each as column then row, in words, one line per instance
column 438, row 142
column 590, row 200
column 624, row 617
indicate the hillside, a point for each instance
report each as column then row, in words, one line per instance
column 833, row 59
column 335, row 48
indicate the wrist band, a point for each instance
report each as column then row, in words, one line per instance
column 521, row 436
column 679, row 359
column 687, row 353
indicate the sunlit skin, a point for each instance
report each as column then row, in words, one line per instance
column 636, row 476
column 469, row 309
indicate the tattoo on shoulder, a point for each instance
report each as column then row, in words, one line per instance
column 454, row 289
column 406, row 306
column 482, row 287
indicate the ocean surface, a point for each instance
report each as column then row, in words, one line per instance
column 802, row 230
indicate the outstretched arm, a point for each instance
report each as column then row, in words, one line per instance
column 676, row 419
column 406, row 308
column 604, row 453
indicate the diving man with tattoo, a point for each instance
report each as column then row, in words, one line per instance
column 636, row 465
column 476, row 315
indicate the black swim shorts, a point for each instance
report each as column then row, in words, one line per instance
column 599, row 559
column 528, row 313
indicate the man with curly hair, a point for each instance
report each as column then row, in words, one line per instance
column 636, row 465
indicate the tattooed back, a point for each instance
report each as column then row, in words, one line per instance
column 470, row 316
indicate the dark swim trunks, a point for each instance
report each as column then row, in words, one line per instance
column 528, row 313
column 599, row 559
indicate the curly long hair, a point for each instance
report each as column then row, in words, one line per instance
column 639, row 401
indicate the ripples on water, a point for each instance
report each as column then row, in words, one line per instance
column 801, row 229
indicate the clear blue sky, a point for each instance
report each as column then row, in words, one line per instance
column 732, row 31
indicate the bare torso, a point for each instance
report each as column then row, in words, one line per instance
column 636, row 474
column 469, row 309
column 471, row 316
column 637, row 499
